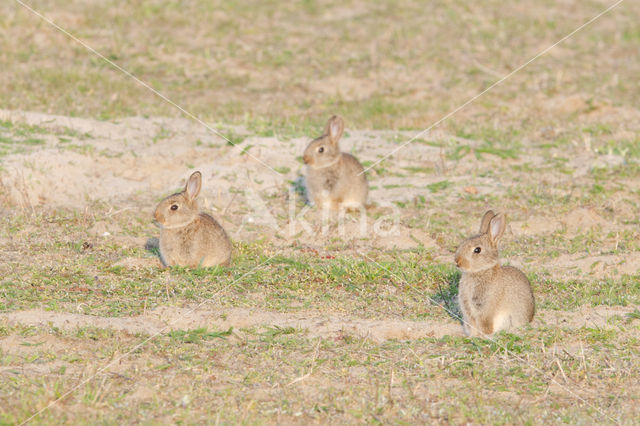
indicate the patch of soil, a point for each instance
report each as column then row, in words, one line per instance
column 167, row 318
column 535, row 225
column 139, row 262
column 582, row 220
column 600, row 265
column 313, row 324
column 585, row 316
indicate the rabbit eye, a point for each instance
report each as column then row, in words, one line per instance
column 174, row 207
column 321, row 149
column 477, row 250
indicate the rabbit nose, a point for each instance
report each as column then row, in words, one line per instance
column 306, row 158
column 458, row 260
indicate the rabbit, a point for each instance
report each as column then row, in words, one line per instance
column 491, row 297
column 335, row 179
column 188, row 237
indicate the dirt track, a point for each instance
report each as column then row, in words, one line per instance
column 312, row 324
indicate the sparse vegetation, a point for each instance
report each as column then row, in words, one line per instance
column 317, row 325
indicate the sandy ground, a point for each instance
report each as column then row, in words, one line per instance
column 127, row 166
column 313, row 324
column 131, row 164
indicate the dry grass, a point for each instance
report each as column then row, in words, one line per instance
column 387, row 66
column 556, row 146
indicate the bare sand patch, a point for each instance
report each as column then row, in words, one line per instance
column 139, row 262
column 536, row 225
column 312, row 324
column 585, row 316
column 600, row 265
column 136, row 161
column 583, row 219
column 577, row 221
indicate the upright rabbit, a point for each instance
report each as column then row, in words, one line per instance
column 188, row 237
column 491, row 297
column 335, row 179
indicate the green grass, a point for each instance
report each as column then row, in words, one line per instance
column 268, row 59
column 198, row 334
column 398, row 67
column 278, row 362
column 439, row 186
column 278, row 372
column 261, row 277
column 19, row 138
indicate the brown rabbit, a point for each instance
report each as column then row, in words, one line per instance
column 334, row 179
column 188, row 237
column 491, row 297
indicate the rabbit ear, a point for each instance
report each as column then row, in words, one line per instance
column 193, row 185
column 486, row 219
column 497, row 226
column 335, row 127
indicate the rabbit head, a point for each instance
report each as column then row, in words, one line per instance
column 180, row 209
column 325, row 151
column 480, row 252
